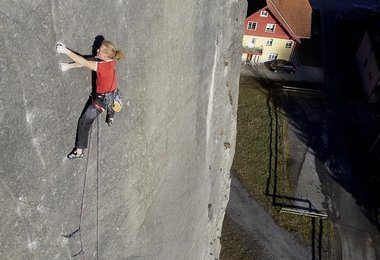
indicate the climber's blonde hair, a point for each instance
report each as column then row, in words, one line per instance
column 111, row 51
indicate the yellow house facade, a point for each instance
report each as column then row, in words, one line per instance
column 275, row 30
column 260, row 49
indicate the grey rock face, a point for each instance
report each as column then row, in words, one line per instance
column 156, row 184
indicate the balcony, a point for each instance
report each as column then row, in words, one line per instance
column 253, row 50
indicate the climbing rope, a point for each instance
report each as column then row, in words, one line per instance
column 97, row 184
column 81, row 216
column 83, row 194
column 78, row 230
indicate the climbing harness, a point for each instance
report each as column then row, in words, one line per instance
column 110, row 100
column 117, row 103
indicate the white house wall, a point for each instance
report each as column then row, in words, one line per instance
column 368, row 68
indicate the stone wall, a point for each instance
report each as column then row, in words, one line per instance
column 154, row 185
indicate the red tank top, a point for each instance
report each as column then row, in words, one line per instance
column 106, row 76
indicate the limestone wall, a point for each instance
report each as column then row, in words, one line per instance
column 156, row 184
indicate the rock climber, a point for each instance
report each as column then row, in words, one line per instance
column 106, row 84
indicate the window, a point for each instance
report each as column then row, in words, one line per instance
column 269, row 42
column 264, row 14
column 288, row 44
column 251, row 43
column 272, row 56
column 252, row 26
column 270, row 27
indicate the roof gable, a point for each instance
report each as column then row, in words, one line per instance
column 261, row 24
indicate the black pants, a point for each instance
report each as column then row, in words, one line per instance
column 86, row 120
column 84, row 125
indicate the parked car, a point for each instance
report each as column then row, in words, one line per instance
column 280, row 66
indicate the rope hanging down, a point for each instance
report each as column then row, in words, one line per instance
column 78, row 230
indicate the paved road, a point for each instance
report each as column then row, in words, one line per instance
column 305, row 74
column 358, row 234
column 276, row 242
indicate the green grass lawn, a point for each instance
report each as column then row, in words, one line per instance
column 260, row 165
column 261, row 151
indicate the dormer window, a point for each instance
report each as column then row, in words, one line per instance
column 270, row 27
column 264, row 14
column 252, row 26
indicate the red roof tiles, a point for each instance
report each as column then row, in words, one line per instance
column 294, row 15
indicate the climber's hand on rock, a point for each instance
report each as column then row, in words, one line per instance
column 65, row 66
column 61, row 48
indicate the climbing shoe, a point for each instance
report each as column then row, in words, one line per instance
column 74, row 155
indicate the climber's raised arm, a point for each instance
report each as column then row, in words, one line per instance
column 79, row 61
column 64, row 66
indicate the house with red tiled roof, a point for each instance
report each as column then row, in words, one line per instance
column 275, row 29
